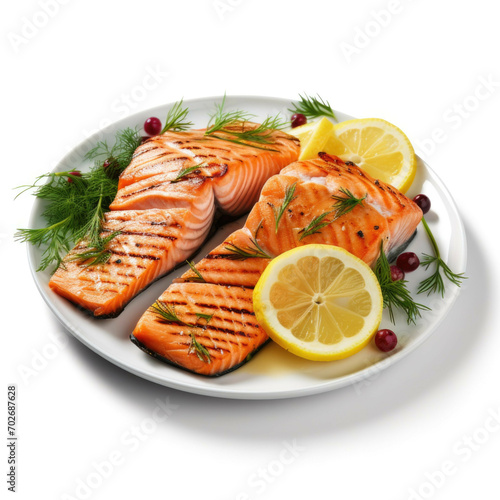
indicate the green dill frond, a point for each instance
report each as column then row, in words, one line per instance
column 313, row 107
column 200, row 350
column 195, row 279
column 166, row 312
column 435, row 283
column 232, row 126
column 289, row 197
column 315, row 225
column 184, row 172
column 395, row 293
column 176, row 117
column 85, row 199
column 344, row 204
column 97, row 252
column 252, row 251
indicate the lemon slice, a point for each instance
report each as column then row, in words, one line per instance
column 319, row 302
column 378, row 147
column 313, row 137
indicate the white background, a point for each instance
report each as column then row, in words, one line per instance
column 422, row 67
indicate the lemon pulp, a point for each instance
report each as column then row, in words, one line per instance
column 319, row 302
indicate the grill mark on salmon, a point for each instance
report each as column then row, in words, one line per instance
column 136, row 255
column 143, row 233
column 183, row 212
column 386, row 216
column 128, row 195
column 212, row 306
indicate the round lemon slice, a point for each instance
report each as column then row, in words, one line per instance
column 378, row 147
column 313, row 137
column 319, row 302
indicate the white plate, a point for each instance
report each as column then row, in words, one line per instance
column 273, row 373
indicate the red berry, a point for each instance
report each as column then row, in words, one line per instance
column 397, row 273
column 298, row 119
column 152, row 126
column 106, row 164
column 423, row 202
column 408, row 262
column 75, row 173
column 386, row 340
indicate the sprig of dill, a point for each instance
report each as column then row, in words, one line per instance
column 54, row 236
column 175, row 119
column 435, row 282
column 252, row 251
column 395, row 293
column 232, row 126
column 315, row 225
column 74, row 210
column 195, row 279
column 222, row 119
column 313, row 107
column 206, row 317
column 289, row 197
column 200, row 350
column 116, row 158
column 97, row 252
column 167, row 312
column 186, row 171
column 344, row 204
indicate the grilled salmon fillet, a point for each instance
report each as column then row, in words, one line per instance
column 218, row 318
column 150, row 243
column 164, row 209
column 385, row 217
column 236, row 172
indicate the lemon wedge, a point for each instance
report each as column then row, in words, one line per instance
column 313, row 137
column 319, row 302
column 376, row 146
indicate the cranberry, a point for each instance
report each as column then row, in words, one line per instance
column 408, row 262
column 152, row 126
column 298, row 119
column 106, row 164
column 423, row 202
column 386, row 340
column 75, row 173
column 397, row 273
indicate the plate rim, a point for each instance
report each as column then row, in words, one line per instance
column 225, row 391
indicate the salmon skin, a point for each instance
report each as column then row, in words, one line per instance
column 223, row 284
column 167, row 200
